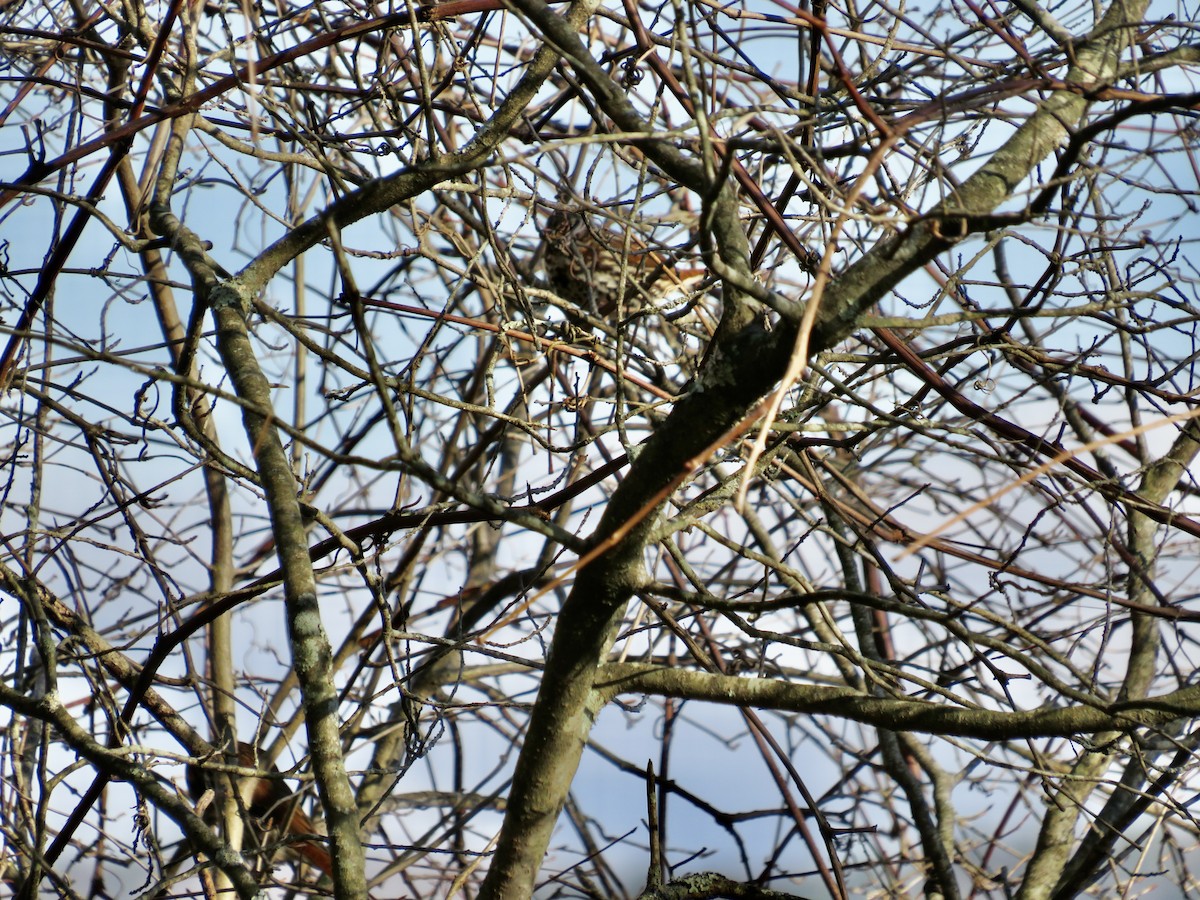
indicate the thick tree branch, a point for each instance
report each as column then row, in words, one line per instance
column 737, row 374
column 614, row 679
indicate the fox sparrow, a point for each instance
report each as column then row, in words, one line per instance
column 270, row 801
column 591, row 267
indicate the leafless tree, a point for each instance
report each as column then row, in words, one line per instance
column 665, row 451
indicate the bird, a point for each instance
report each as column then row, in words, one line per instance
column 586, row 264
column 270, row 800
